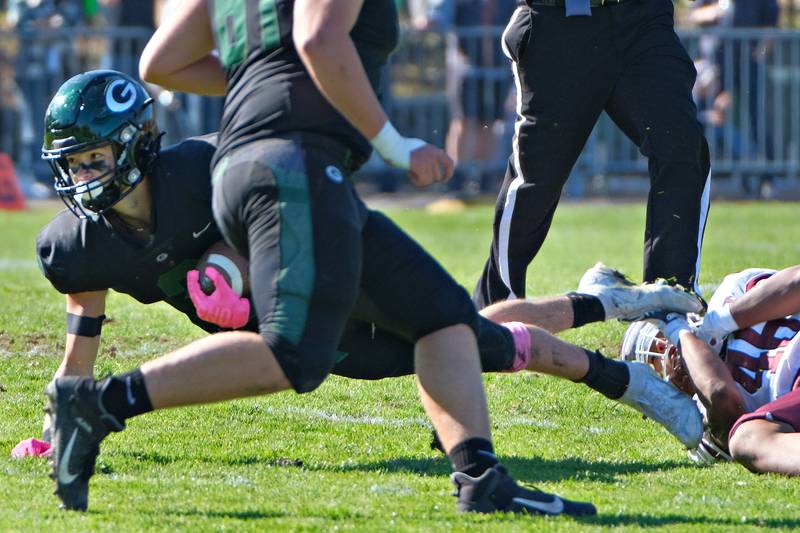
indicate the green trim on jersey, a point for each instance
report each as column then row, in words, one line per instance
column 173, row 283
column 270, row 29
column 230, row 26
column 295, row 282
column 233, row 32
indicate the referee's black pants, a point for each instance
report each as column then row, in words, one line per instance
column 627, row 60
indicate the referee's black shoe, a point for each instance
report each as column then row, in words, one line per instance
column 495, row 491
column 79, row 424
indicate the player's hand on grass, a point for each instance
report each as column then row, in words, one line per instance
column 220, row 305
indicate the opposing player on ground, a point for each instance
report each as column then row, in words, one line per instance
column 743, row 363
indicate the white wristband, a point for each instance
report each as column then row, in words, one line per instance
column 394, row 148
column 719, row 322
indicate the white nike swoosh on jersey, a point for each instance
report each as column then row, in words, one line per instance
column 196, row 234
column 64, row 475
column 554, row 507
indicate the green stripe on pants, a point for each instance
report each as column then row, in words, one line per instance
column 295, row 281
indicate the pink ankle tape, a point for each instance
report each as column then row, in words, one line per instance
column 522, row 345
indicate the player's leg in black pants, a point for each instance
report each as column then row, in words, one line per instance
column 369, row 351
column 652, row 104
column 407, row 295
column 276, row 204
column 564, row 68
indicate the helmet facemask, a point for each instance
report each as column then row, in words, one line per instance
column 91, row 198
column 645, row 343
column 95, row 110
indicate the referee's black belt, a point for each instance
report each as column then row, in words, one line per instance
column 561, row 3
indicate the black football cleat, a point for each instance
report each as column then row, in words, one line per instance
column 79, row 424
column 496, row 491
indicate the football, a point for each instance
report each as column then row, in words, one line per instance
column 226, row 261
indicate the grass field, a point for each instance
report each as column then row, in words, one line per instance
column 355, row 455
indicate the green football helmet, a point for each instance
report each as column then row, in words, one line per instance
column 94, row 109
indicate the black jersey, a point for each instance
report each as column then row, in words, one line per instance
column 269, row 89
column 84, row 255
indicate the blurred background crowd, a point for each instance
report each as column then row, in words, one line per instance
column 449, row 83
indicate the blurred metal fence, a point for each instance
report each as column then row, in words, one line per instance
column 438, row 80
column 34, row 63
column 757, row 135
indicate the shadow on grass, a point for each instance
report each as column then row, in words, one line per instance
column 606, row 520
column 248, row 514
column 237, row 460
column 526, row 469
column 677, row 519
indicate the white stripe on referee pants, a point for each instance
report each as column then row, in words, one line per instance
column 704, row 205
column 511, row 194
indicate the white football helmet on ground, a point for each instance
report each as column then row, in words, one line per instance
column 645, row 343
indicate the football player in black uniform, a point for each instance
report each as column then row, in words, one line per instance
column 282, row 198
column 142, row 216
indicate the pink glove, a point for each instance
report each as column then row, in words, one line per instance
column 222, row 307
column 31, row 448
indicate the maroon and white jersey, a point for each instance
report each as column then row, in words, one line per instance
column 764, row 359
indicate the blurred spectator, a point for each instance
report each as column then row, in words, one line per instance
column 478, row 79
column 749, row 75
column 10, row 104
column 170, row 113
column 712, row 102
column 717, row 89
column 40, row 60
column 125, row 51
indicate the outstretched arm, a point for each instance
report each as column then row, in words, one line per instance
column 775, row 297
column 80, row 352
column 714, row 383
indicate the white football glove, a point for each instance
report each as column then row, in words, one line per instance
column 671, row 325
column 716, row 325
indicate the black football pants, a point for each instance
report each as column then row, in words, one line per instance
column 626, row 60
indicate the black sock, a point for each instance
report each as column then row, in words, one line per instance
column 125, row 396
column 473, row 456
column 585, row 309
column 436, row 443
column 609, row 377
